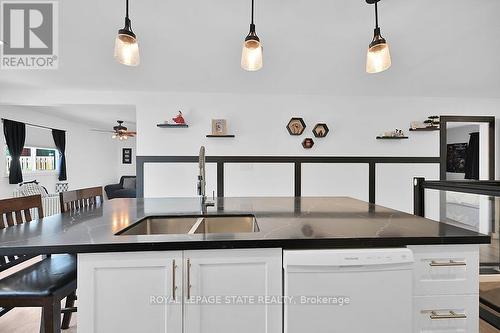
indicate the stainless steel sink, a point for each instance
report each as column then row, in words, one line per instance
column 226, row 224
column 161, row 225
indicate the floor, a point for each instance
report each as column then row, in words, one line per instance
column 27, row 320
column 490, row 253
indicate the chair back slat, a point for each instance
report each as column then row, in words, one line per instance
column 27, row 215
column 10, row 221
column 11, row 214
column 81, row 199
column 19, row 217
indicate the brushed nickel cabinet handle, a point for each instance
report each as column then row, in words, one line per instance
column 174, row 287
column 450, row 315
column 188, row 278
column 449, row 263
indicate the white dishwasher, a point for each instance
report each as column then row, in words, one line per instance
column 348, row 291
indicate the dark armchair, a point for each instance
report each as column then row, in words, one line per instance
column 125, row 189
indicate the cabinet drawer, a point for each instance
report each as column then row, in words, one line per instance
column 446, row 270
column 446, row 314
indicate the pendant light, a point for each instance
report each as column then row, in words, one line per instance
column 126, row 47
column 378, row 58
column 251, row 56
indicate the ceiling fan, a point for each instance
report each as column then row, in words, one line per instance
column 119, row 132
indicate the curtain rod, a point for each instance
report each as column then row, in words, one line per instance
column 33, row 125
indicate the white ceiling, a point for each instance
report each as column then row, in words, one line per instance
column 94, row 116
column 439, row 48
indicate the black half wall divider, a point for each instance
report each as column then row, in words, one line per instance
column 297, row 161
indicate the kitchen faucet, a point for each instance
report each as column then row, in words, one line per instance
column 202, row 183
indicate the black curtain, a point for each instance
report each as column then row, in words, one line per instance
column 60, row 141
column 472, row 157
column 15, row 134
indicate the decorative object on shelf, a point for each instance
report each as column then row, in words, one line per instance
column 431, row 124
column 396, row 134
column 378, row 58
column 432, row 121
column 320, row 130
column 127, row 156
column 179, row 120
column 308, row 143
column 251, row 55
column 296, row 126
column 219, row 127
column 126, row 47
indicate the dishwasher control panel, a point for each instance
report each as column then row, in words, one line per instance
column 348, row 257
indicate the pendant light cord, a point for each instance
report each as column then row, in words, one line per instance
column 252, row 10
column 126, row 9
column 376, row 14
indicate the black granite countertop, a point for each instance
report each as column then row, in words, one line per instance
column 289, row 223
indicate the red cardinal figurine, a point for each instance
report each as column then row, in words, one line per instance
column 179, row 119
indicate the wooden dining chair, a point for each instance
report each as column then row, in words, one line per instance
column 85, row 198
column 72, row 201
column 43, row 284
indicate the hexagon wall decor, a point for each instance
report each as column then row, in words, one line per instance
column 320, row 130
column 308, row 143
column 296, row 126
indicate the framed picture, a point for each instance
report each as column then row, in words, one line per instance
column 296, row 126
column 320, row 130
column 127, row 156
column 219, row 127
column 308, row 143
column 455, row 157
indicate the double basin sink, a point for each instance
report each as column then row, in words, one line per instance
column 192, row 224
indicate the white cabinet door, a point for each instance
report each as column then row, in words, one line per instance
column 228, row 291
column 120, row 292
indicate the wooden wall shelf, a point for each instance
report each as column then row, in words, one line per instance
column 391, row 137
column 220, row 136
column 424, row 129
column 172, row 125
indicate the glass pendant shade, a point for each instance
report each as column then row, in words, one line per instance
column 251, row 56
column 127, row 49
column 378, row 58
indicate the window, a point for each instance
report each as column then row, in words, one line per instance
column 36, row 160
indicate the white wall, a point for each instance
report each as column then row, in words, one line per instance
column 259, row 121
column 91, row 157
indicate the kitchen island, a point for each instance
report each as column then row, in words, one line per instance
column 135, row 276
